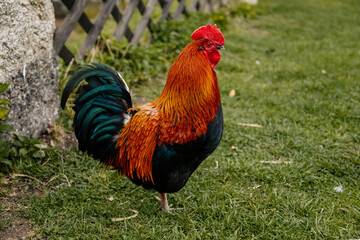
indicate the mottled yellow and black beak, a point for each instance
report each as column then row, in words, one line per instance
column 220, row 47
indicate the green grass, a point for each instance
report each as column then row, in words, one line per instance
column 310, row 120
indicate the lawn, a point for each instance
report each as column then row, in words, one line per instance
column 288, row 166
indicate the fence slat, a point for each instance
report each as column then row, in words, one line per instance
column 166, row 9
column 66, row 55
column 98, row 25
column 203, row 5
column 143, row 22
column 68, row 24
column 117, row 17
column 220, row 4
column 211, row 5
column 93, row 30
column 84, row 21
column 192, row 6
column 142, row 10
column 180, row 8
column 129, row 10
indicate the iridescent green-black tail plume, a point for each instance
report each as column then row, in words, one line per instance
column 101, row 108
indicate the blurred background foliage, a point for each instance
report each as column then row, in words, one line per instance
column 138, row 65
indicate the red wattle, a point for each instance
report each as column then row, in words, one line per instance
column 212, row 57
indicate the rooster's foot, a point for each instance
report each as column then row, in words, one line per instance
column 164, row 203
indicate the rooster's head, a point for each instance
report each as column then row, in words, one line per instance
column 212, row 41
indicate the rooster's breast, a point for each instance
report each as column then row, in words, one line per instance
column 172, row 165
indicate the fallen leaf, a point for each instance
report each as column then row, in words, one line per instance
column 5, row 181
column 232, row 93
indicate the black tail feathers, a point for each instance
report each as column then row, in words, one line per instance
column 101, row 108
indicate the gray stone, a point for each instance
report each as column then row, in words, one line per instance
column 28, row 63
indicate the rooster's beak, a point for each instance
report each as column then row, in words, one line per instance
column 220, row 47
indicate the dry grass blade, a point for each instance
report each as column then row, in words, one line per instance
column 52, row 179
column 68, row 69
column 250, row 125
column 107, row 42
column 67, row 180
column 126, row 218
column 123, row 203
column 26, row 176
column 55, row 177
column 276, row 162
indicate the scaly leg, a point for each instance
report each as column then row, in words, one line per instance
column 164, row 203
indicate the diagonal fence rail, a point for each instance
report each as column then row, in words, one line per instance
column 109, row 8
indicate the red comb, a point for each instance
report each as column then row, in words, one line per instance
column 210, row 33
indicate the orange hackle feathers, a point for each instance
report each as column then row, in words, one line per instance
column 137, row 142
column 190, row 97
column 181, row 114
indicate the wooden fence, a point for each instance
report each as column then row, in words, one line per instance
column 109, row 8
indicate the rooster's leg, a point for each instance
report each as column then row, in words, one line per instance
column 164, row 203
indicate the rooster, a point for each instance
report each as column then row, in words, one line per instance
column 159, row 144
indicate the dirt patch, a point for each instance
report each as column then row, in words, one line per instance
column 20, row 229
column 55, row 135
column 15, row 191
column 13, row 195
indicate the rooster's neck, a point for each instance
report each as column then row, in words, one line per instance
column 191, row 81
column 190, row 98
